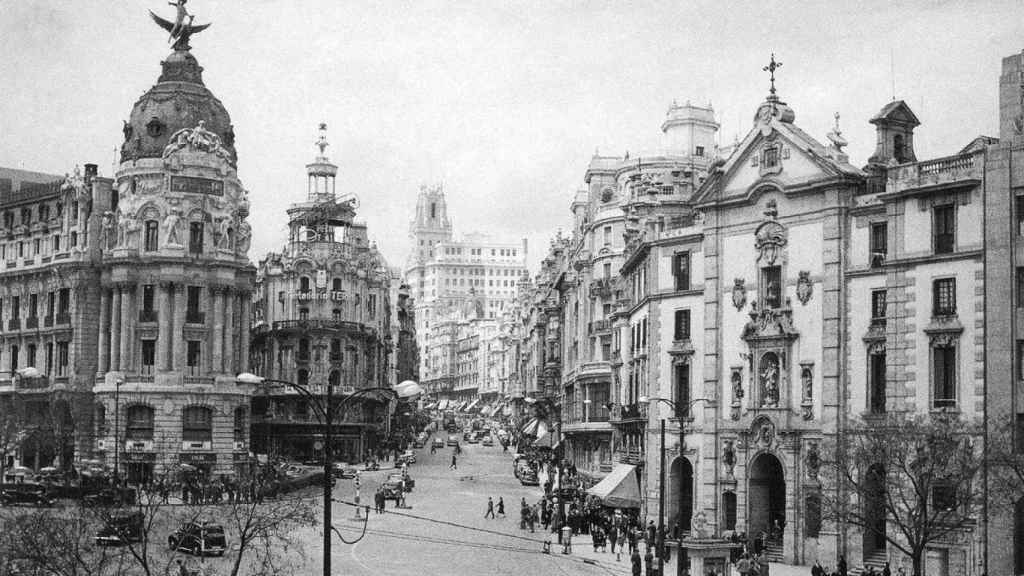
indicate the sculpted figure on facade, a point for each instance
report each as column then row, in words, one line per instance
column 700, row 525
column 812, row 460
column 729, row 458
column 171, row 228
column 107, row 230
column 244, row 237
column 769, row 380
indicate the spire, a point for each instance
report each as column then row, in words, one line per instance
column 771, row 68
column 321, row 143
column 321, row 173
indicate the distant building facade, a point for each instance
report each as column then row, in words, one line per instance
column 323, row 318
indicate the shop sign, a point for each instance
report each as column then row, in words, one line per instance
column 192, row 458
column 193, row 185
column 141, row 457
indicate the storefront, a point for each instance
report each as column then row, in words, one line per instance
column 202, row 462
column 139, row 467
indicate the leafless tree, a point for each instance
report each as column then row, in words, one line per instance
column 914, row 480
column 57, row 542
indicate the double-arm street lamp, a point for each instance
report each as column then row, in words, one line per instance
column 680, row 413
column 326, row 409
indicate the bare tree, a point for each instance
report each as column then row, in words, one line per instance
column 57, row 542
column 1005, row 452
column 919, row 475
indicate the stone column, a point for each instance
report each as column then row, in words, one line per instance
column 230, row 299
column 127, row 300
column 177, row 339
column 103, row 360
column 218, row 328
column 115, row 330
column 163, row 342
column 243, row 334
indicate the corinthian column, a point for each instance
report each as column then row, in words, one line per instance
column 177, row 339
column 163, row 341
column 217, row 334
column 127, row 300
column 243, row 334
column 115, row 330
column 230, row 298
column 103, row 361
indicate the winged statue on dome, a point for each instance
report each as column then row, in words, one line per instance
column 182, row 28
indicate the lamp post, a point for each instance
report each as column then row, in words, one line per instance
column 661, row 487
column 117, row 430
column 325, row 413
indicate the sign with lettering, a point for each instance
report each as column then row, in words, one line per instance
column 194, row 185
column 198, row 458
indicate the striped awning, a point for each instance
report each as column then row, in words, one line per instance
column 472, row 405
column 442, row 404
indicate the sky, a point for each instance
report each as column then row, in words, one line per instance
column 504, row 103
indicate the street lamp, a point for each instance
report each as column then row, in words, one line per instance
column 661, row 487
column 117, row 430
column 325, row 413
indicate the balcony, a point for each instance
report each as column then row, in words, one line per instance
column 633, row 456
column 304, row 325
column 627, row 413
column 957, row 171
column 32, row 322
column 14, row 324
column 600, row 327
column 195, row 317
column 148, row 316
column 64, row 318
column 48, row 321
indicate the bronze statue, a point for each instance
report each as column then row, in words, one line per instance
column 180, row 30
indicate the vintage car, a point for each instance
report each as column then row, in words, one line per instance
column 30, row 494
column 111, row 497
column 392, row 489
column 199, row 539
column 407, row 457
column 409, row 482
column 438, row 442
column 528, row 477
column 121, row 528
column 488, row 441
column 342, row 470
column 453, row 440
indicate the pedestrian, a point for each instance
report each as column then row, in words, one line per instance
column 841, row 566
column 634, row 559
column 648, row 562
column 613, row 536
column 531, row 519
column 631, row 538
column 453, row 465
column 652, row 532
column 566, row 540
column 743, row 566
column 490, row 508
column 501, row 507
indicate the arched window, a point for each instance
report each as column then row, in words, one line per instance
column 139, row 423
column 197, row 424
column 304, row 284
column 240, row 423
column 303, row 377
column 152, row 235
column 303, row 349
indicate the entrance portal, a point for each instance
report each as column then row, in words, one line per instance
column 680, row 497
column 767, row 498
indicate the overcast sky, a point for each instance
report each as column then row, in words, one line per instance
column 504, row 103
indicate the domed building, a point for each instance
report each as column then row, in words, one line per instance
column 323, row 318
column 174, row 307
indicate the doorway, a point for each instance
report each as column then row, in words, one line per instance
column 680, row 496
column 767, row 498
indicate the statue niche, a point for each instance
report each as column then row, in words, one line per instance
column 768, row 375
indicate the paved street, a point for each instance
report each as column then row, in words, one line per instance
column 444, row 532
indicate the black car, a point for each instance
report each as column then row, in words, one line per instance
column 392, row 489
column 121, row 528
column 199, row 539
column 111, row 497
column 32, row 494
column 528, row 477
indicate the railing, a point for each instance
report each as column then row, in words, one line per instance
column 14, row 324
column 632, row 456
column 320, row 324
column 198, row 380
column 64, row 318
column 48, row 321
column 195, row 317
column 598, row 326
column 629, row 412
column 32, row 322
column 948, row 164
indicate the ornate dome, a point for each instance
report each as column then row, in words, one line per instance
column 178, row 100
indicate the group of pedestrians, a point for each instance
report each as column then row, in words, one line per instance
column 490, row 508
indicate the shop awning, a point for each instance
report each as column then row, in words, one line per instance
column 472, row 404
column 442, row 404
column 619, row 489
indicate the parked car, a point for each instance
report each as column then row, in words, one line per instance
column 488, row 441
column 438, row 442
column 407, row 457
column 342, row 470
column 528, row 477
column 121, row 528
column 467, row 435
column 417, row 443
column 110, row 497
column 409, row 482
column 199, row 539
column 392, row 489
column 453, row 440
column 32, row 494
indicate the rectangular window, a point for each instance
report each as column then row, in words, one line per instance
column 56, row 242
column 770, row 157
column 1020, row 360
column 62, row 358
column 682, row 325
column 192, row 313
column 944, row 225
column 193, row 355
column 681, row 378
column 877, row 384
column 152, row 235
column 30, row 359
column 944, row 497
column 49, row 358
column 51, row 300
column 681, row 270
column 148, row 356
column 64, row 303
column 148, row 313
column 15, row 307
column 195, row 237
column 879, row 244
column 878, row 307
column 607, row 271
column 944, row 375
column 33, row 305
column 1020, row 215
column 607, row 235
column 1019, row 444
column 771, row 287
column 1020, row 287
column 944, row 297
column 699, row 151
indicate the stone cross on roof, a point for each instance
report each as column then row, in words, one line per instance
column 771, row 68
